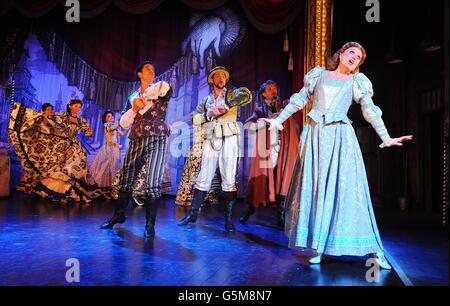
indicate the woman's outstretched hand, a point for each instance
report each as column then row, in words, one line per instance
column 398, row 142
column 272, row 124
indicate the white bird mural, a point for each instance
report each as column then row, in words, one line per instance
column 221, row 31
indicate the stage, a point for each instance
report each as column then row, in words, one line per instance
column 65, row 70
column 37, row 237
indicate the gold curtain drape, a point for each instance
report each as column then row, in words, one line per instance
column 318, row 36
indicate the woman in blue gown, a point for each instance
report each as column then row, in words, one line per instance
column 330, row 209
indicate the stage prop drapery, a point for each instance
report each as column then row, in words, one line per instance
column 269, row 16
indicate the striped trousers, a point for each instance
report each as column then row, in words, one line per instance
column 143, row 168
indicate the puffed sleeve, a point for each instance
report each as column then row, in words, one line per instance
column 299, row 100
column 159, row 89
column 110, row 127
column 59, row 117
column 127, row 118
column 362, row 94
column 83, row 125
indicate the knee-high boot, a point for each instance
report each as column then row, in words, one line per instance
column 191, row 215
column 119, row 210
column 151, row 208
column 230, row 200
column 250, row 211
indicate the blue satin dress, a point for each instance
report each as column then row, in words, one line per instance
column 329, row 204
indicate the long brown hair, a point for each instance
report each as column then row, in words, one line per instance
column 333, row 61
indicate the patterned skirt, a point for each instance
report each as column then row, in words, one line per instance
column 106, row 164
column 190, row 172
column 55, row 167
column 330, row 209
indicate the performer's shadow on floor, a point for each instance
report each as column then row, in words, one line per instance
column 269, row 225
column 162, row 248
column 304, row 255
column 240, row 236
column 335, row 271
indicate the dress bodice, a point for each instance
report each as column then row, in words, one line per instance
column 70, row 128
column 111, row 133
column 332, row 100
column 327, row 91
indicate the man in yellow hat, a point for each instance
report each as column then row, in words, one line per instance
column 221, row 146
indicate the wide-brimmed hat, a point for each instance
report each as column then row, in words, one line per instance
column 218, row 69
